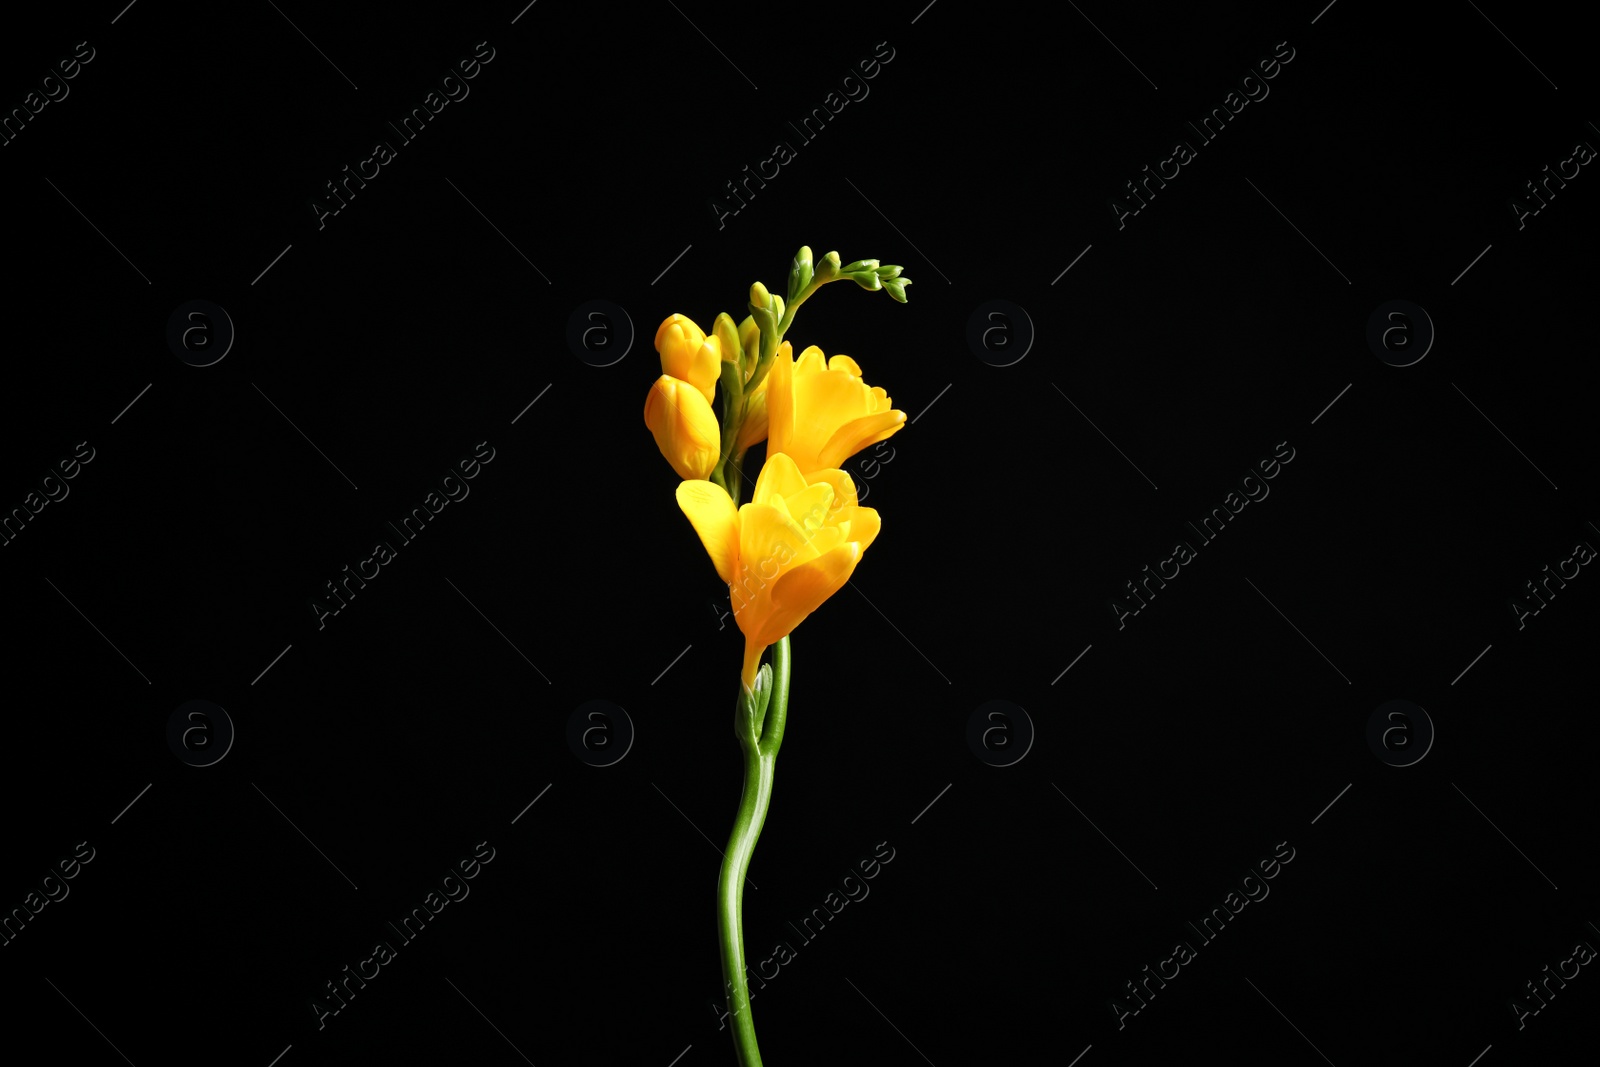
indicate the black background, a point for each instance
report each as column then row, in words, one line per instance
column 1217, row 723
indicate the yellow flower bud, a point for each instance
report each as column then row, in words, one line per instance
column 688, row 355
column 792, row 547
column 684, row 426
column 749, row 335
column 820, row 412
column 759, row 296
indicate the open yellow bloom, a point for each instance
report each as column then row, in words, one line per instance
column 792, row 547
column 688, row 355
column 684, row 426
column 820, row 412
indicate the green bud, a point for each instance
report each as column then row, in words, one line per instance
column 896, row 288
column 800, row 273
column 888, row 271
column 727, row 335
column 759, row 297
column 768, row 323
column 828, row 269
column 777, row 306
column 749, row 342
column 858, row 266
column 867, row 280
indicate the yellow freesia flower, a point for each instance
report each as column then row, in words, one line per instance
column 792, row 547
column 688, row 355
column 820, row 412
column 754, row 428
column 684, row 426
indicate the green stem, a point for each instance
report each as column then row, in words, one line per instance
column 760, row 743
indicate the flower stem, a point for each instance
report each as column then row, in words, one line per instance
column 759, row 741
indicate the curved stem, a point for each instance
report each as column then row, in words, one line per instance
column 760, row 758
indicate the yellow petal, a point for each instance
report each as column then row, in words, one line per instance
column 802, row 590
column 857, row 434
column 684, row 426
column 684, row 323
column 710, row 510
column 811, row 361
column 778, row 475
column 780, row 399
column 811, row 507
column 846, row 364
column 752, row 661
column 768, row 539
column 844, row 489
column 864, row 526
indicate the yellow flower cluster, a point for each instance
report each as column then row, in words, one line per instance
column 799, row 538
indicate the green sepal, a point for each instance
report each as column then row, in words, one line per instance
column 732, row 400
column 752, row 711
column 800, row 273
